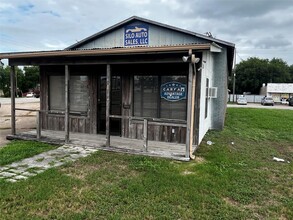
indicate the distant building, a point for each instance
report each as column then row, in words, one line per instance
column 278, row 91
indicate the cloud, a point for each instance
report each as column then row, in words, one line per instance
column 53, row 45
column 5, row 6
column 134, row 2
column 26, row 7
column 258, row 28
column 51, row 13
column 276, row 41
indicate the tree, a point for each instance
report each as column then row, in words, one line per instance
column 279, row 71
column 25, row 80
column 30, row 78
column 253, row 72
column 291, row 73
column 5, row 81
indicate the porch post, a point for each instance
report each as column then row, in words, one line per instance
column 189, row 112
column 108, row 103
column 67, row 103
column 193, row 69
column 12, row 94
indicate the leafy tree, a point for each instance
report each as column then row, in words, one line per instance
column 279, row 71
column 291, row 73
column 253, row 72
column 26, row 80
column 5, row 79
column 30, row 79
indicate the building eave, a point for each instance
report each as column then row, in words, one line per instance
column 105, row 51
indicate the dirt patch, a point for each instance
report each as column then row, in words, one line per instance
column 3, row 134
column 79, row 171
column 199, row 160
column 186, row 172
column 231, row 202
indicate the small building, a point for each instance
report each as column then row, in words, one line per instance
column 138, row 79
column 278, row 91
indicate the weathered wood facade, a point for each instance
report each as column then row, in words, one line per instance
column 94, row 121
column 138, row 79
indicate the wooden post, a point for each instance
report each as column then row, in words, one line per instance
column 108, row 103
column 12, row 93
column 39, row 124
column 192, row 110
column 189, row 110
column 145, row 134
column 67, row 103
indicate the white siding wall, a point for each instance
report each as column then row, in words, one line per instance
column 279, row 88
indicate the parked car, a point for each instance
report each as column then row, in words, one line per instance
column 267, row 101
column 284, row 101
column 242, row 101
column 290, row 101
column 30, row 95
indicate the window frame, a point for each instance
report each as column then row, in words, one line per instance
column 159, row 110
column 77, row 113
column 207, row 97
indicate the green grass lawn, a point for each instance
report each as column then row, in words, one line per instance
column 18, row 150
column 225, row 181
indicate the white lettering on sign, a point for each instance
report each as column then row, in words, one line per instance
column 136, row 35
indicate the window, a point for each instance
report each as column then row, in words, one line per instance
column 207, row 98
column 56, row 93
column 148, row 101
column 175, row 109
column 146, row 96
column 78, row 93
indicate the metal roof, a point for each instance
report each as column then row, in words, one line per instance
column 106, row 51
column 135, row 18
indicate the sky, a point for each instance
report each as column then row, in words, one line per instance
column 258, row 28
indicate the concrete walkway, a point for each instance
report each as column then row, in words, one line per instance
column 28, row 167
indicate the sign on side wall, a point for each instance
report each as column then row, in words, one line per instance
column 136, row 35
column 173, row 91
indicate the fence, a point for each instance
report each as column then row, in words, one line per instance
column 250, row 98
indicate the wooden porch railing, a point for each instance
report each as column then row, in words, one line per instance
column 132, row 119
column 151, row 121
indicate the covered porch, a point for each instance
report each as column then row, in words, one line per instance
column 141, row 127
column 118, row 144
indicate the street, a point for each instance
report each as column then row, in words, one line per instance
column 25, row 120
column 258, row 105
column 19, row 100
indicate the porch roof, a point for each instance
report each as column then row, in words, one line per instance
column 33, row 57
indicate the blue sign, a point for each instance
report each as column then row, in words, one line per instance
column 136, row 35
column 173, row 91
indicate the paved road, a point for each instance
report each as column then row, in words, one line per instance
column 25, row 120
column 257, row 105
column 4, row 101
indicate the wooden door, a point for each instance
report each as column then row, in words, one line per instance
column 115, row 109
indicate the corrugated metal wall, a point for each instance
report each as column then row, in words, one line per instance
column 158, row 36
